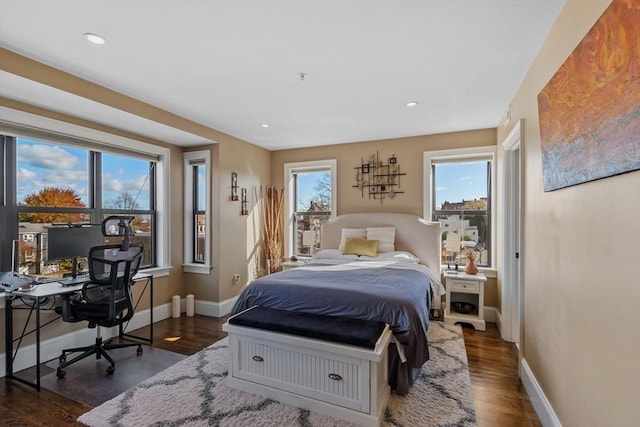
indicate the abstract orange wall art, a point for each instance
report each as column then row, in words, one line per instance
column 590, row 110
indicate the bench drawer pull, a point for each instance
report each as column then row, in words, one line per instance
column 258, row 359
column 335, row 377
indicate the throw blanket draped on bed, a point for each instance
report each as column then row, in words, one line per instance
column 397, row 293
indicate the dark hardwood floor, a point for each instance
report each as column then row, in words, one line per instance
column 500, row 399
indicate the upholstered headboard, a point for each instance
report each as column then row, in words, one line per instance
column 413, row 233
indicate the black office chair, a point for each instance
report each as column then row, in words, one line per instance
column 106, row 299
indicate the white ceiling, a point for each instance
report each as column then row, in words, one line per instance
column 233, row 65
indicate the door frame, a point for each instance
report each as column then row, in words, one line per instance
column 512, row 257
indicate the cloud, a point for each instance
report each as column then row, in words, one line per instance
column 47, row 157
column 60, row 178
column 26, row 175
column 441, row 188
column 113, row 184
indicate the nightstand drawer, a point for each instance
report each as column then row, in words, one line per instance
column 463, row 286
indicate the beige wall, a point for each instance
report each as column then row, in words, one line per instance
column 581, row 264
column 409, row 154
column 235, row 237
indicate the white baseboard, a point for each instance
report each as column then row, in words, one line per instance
column 490, row 314
column 215, row 309
column 499, row 321
column 540, row 402
column 51, row 348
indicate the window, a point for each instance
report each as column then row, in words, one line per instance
column 128, row 189
column 310, row 201
column 51, row 179
column 197, row 179
column 459, row 187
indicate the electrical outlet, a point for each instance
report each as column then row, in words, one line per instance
column 236, row 278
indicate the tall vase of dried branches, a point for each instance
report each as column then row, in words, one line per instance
column 272, row 204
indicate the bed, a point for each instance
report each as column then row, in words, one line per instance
column 391, row 287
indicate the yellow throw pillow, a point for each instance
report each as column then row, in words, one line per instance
column 355, row 246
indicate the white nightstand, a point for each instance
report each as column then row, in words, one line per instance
column 288, row 265
column 465, row 288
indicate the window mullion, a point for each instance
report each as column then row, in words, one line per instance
column 194, row 226
column 95, row 185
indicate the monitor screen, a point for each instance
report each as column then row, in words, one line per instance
column 72, row 242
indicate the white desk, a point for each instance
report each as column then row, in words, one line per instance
column 52, row 289
column 42, row 290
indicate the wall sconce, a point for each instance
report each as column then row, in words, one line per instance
column 243, row 203
column 234, row 186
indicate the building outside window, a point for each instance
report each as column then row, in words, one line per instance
column 460, row 196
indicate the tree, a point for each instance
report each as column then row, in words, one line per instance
column 56, row 198
column 322, row 193
column 125, row 200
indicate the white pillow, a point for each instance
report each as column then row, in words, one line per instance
column 358, row 233
column 386, row 235
column 398, row 256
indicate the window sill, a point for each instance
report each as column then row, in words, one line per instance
column 197, row 268
column 156, row 271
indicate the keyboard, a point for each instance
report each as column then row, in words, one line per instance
column 70, row 281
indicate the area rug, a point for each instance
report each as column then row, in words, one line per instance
column 131, row 369
column 193, row 393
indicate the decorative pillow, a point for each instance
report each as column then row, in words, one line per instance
column 360, row 233
column 386, row 235
column 357, row 246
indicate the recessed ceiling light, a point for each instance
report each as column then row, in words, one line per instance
column 94, row 38
column 264, row 125
column 412, row 103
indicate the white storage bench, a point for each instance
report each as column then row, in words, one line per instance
column 304, row 360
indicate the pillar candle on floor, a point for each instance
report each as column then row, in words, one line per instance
column 175, row 306
column 190, row 305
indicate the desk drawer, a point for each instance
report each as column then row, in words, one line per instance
column 340, row 380
column 464, row 286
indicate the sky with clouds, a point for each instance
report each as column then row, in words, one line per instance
column 41, row 164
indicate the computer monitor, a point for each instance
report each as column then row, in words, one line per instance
column 72, row 242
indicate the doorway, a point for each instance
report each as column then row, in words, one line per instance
column 512, row 294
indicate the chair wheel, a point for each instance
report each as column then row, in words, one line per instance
column 139, row 351
column 60, row 373
column 111, row 370
column 62, row 358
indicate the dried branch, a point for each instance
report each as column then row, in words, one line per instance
column 272, row 204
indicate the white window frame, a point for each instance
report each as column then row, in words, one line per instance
column 188, row 265
column 19, row 123
column 461, row 154
column 289, row 189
